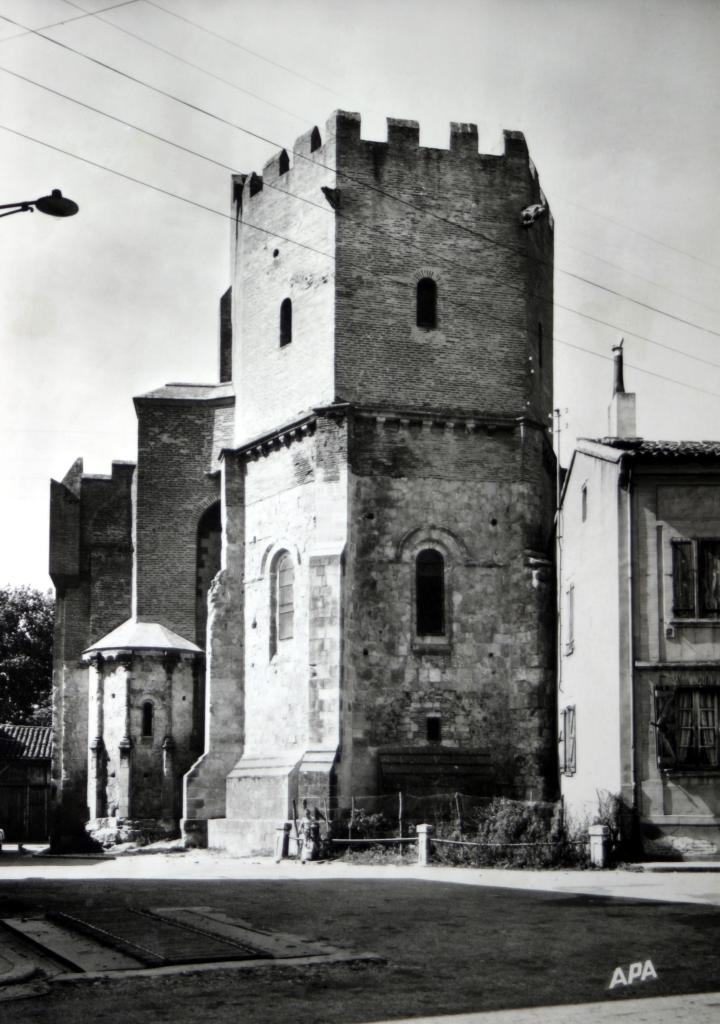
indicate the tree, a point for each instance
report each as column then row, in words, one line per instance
column 26, row 636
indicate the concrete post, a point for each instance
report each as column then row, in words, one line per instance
column 423, row 833
column 599, row 845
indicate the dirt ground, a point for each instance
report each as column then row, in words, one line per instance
column 446, row 948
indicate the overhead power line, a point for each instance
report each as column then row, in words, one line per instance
column 325, row 87
column 163, row 191
column 118, row 120
column 166, row 192
column 321, row 85
column 640, row 277
column 406, row 203
column 326, row 209
column 65, row 21
column 245, row 49
column 190, row 64
column 642, row 234
column 640, row 369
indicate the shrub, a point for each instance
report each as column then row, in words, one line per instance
column 513, row 833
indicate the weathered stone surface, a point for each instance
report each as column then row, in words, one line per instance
column 359, row 440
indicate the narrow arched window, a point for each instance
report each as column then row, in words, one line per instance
column 285, row 322
column 315, row 140
column 282, row 600
column 147, row 718
column 430, row 593
column 283, row 163
column 426, row 302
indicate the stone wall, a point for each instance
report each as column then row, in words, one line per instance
column 490, row 677
column 133, row 775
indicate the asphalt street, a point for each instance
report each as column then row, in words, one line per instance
column 449, row 941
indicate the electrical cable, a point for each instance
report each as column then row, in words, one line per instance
column 239, row 46
column 368, row 185
column 164, row 191
column 65, row 21
column 634, row 231
column 310, row 202
column 189, row 63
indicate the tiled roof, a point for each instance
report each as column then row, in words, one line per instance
column 698, row 449
column 663, row 449
column 26, row 742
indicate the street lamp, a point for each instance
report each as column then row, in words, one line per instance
column 56, row 205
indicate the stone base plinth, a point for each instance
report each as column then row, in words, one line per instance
column 111, row 831
column 242, row 836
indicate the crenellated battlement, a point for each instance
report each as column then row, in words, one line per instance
column 330, row 150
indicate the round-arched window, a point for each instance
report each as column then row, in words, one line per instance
column 426, row 306
column 430, row 593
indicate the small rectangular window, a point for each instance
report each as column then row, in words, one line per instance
column 434, row 728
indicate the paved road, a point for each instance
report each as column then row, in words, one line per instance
column 699, row 1009
column 454, row 941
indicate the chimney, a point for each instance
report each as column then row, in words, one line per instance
column 621, row 411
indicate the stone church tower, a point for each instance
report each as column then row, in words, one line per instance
column 366, row 500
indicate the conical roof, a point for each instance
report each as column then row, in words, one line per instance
column 142, row 636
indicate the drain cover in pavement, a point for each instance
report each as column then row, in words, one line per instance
column 97, row 941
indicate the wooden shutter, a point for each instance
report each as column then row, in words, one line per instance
column 665, row 727
column 683, row 580
column 709, row 578
column 570, row 745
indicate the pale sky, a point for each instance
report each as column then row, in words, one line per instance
column 619, row 102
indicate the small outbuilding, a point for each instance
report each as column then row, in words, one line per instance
column 25, row 753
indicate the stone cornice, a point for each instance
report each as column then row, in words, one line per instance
column 448, row 419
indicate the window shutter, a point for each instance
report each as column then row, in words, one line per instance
column 570, row 741
column 709, row 578
column 561, row 742
column 665, row 727
column 683, row 580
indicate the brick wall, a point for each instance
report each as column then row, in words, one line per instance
column 407, row 212
column 276, row 383
column 178, row 448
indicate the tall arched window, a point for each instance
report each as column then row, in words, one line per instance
column 426, row 302
column 430, row 593
column 285, row 322
column 147, row 718
column 282, row 600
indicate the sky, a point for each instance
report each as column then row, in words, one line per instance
column 619, row 101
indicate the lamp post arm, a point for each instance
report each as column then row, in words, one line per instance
column 16, row 208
